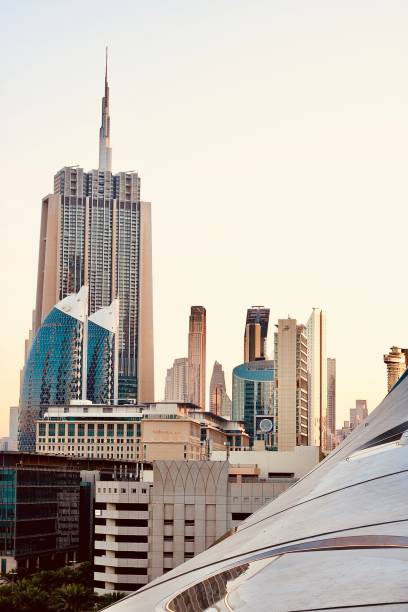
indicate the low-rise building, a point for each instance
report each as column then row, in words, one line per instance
column 47, row 507
column 146, row 432
column 147, row 526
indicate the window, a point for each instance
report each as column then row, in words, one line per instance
column 51, row 429
column 189, row 538
column 71, row 430
column 168, row 555
column 119, row 431
column 168, row 538
column 61, row 429
column 131, row 523
column 91, row 431
column 101, row 430
column 240, row 516
column 81, row 430
column 189, row 523
column 137, row 539
column 130, row 431
column 41, row 429
column 168, row 522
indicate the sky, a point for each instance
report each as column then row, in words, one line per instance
column 271, row 138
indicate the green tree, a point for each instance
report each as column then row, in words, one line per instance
column 73, row 598
column 27, row 597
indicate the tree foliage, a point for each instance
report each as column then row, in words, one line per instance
column 64, row 590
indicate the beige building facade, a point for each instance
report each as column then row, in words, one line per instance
column 148, row 432
column 291, row 385
column 397, row 362
column 146, row 528
column 197, row 356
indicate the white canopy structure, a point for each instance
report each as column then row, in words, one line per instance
column 336, row 540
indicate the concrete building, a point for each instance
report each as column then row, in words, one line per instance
column 335, row 540
column 294, row 463
column 144, row 529
column 197, row 356
column 96, row 231
column 397, row 362
column 357, row 416
column 252, row 400
column 331, row 403
column 256, row 333
column 291, row 385
column 176, row 387
column 220, row 403
column 165, row 430
column 317, row 368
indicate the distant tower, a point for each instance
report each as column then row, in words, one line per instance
column 220, row 403
column 197, row 356
column 397, row 362
column 291, row 385
column 317, row 366
column 96, row 231
column 331, row 403
column 256, row 332
column 176, row 381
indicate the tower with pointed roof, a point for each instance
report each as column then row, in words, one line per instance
column 96, row 231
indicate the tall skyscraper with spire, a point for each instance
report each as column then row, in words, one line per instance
column 197, row 356
column 96, row 231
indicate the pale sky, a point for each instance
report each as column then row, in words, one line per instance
column 271, row 138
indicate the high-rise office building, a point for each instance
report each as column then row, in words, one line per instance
column 291, row 385
column 256, row 333
column 197, row 356
column 331, row 403
column 252, row 400
column 96, row 231
column 175, row 389
column 220, row 403
column 358, row 414
column 397, row 362
column 71, row 358
column 317, row 367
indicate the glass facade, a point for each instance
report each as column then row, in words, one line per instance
column 52, row 373
column 39, row 511
column 54, row 367
column 252, row 395
column 100, row 380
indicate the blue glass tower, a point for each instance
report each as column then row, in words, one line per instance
column 102, row 359
column 252, row 399
column 71, row 358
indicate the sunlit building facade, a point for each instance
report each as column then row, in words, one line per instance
column 197, row 356
column 96, row 231
column 256, row 333
column 220, row 403
column 317, row 367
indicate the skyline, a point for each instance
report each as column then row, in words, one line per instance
column 207, row 164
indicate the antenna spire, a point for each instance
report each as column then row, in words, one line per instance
column 105, row 150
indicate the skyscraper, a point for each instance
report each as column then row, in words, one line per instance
column 176, row 381
column 96, row 231
column 291, row 385
column 317, row 366
column 252, row 400
column 197, row 356
column 256, row 333
column 220, row 403
column 397, row 362
column 70, row 358
column 331, row 403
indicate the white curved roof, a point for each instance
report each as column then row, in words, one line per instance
column 75, row 304
column 336, row 540
column 107, row 317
